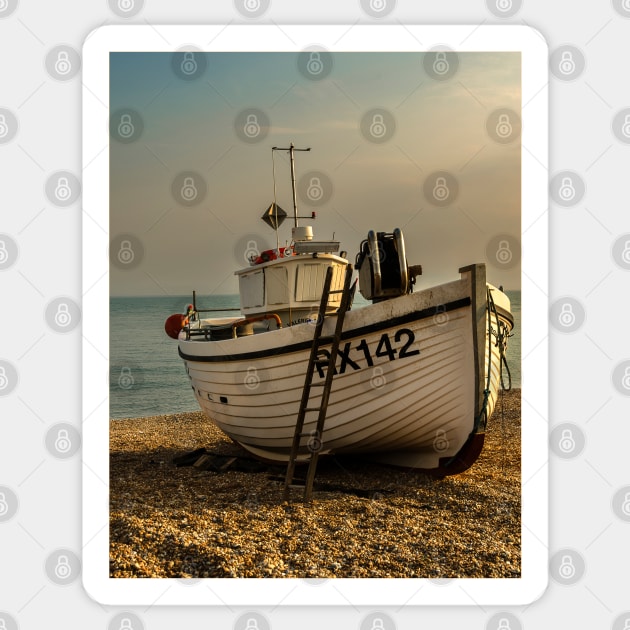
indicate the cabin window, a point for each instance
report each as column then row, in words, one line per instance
column 252, row 289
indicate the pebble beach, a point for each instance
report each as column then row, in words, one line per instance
column 365, row 520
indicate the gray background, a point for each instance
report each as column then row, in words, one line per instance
column 588, row 360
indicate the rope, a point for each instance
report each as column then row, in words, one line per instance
column 275, row 205
column 482, row 417
column 501, row 335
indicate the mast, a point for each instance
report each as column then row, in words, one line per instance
column 291, row 151
column 292, row 154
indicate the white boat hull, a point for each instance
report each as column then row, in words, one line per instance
column 409, row 389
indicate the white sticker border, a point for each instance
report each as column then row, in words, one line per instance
column 534, row 289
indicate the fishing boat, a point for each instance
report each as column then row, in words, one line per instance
column 410, row 379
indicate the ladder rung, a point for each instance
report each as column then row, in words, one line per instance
column 318, row 384
column 335, row 291
column 311, row 409
column 326, row 338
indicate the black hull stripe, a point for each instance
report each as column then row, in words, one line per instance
column 349, row 334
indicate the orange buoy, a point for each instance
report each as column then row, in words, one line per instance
column 174, row 324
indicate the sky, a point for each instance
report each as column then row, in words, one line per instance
column 194, row 124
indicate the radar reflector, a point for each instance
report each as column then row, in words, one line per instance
column 274, row 215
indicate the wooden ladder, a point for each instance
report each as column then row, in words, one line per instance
column 318, row 341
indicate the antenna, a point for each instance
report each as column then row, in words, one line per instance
column 275, row 204
column 291, row 151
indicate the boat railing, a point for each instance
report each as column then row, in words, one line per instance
column 197, row 327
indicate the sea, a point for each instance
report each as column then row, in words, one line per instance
column 147, row 377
